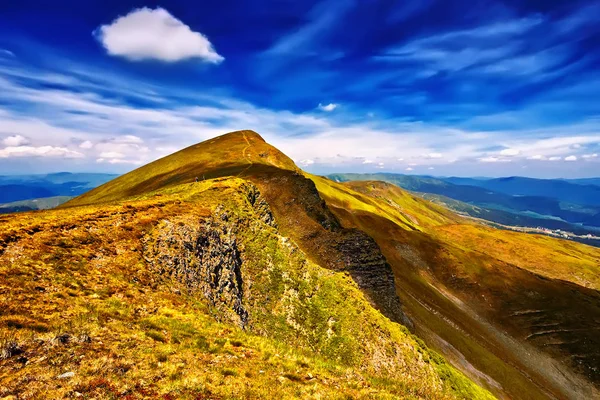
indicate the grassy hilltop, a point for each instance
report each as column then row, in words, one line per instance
column 262, row 281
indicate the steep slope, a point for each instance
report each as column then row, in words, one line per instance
column 521, row 312
column 156, row 285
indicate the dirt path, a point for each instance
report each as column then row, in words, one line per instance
column 247, row 157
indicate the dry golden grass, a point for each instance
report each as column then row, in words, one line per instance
column 77, row 296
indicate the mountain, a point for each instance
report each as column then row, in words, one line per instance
column 578, row 193
column 540, row 207
column 225, row 271
column 585, row 181
column 15, row 188
column 44, row 203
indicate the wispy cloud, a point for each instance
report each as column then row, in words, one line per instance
column 471, row 92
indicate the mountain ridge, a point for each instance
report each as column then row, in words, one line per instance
column 370, row 249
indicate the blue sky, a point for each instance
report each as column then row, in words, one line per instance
column 492, row 88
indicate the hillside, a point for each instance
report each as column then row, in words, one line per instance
column 43, row 203
column 262, row 281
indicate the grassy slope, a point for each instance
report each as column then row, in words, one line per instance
column 467, row 285
column 78, row 296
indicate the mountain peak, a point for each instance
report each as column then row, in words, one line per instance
column 238, row 153
column 248, row 133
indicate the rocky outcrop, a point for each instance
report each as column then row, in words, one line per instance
column 371, row 272
column 204, row 256
column 259, row 204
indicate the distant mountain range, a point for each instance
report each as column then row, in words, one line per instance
column 549, row 203
column 581, row 191
column 25, row 192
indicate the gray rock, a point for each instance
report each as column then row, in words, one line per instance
column 204, row 256
column 66, row 375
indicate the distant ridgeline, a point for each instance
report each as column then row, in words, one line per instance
column 571, row 206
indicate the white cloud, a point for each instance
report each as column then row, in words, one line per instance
column 430, row 168
column 15, row 140
column 327, row 107
column 306, row 162
column 571, row 158
column 118, row 161
column 493, row 159
column 537, row 157
column 555, row 158
column 109, row 125
column 111, row 154
column 127, row 139
column 409, row 169
column 42, row 151
column 86, row 144
column 510, row 152
column 145, row 34
column 588, row 156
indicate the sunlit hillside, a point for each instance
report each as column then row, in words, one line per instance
column 224, row 271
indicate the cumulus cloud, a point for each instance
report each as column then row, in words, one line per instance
column 367, row 161
column 555, row 158
column 588, row 156
column 409, row 169
column 42, row 151
column 306, row 162
column 328, row 107
column 154, row 34
column 571, row 158
column 15, row 140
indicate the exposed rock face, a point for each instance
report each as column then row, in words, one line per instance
column 204, row 256
column 371, row 272
column 260, row 205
